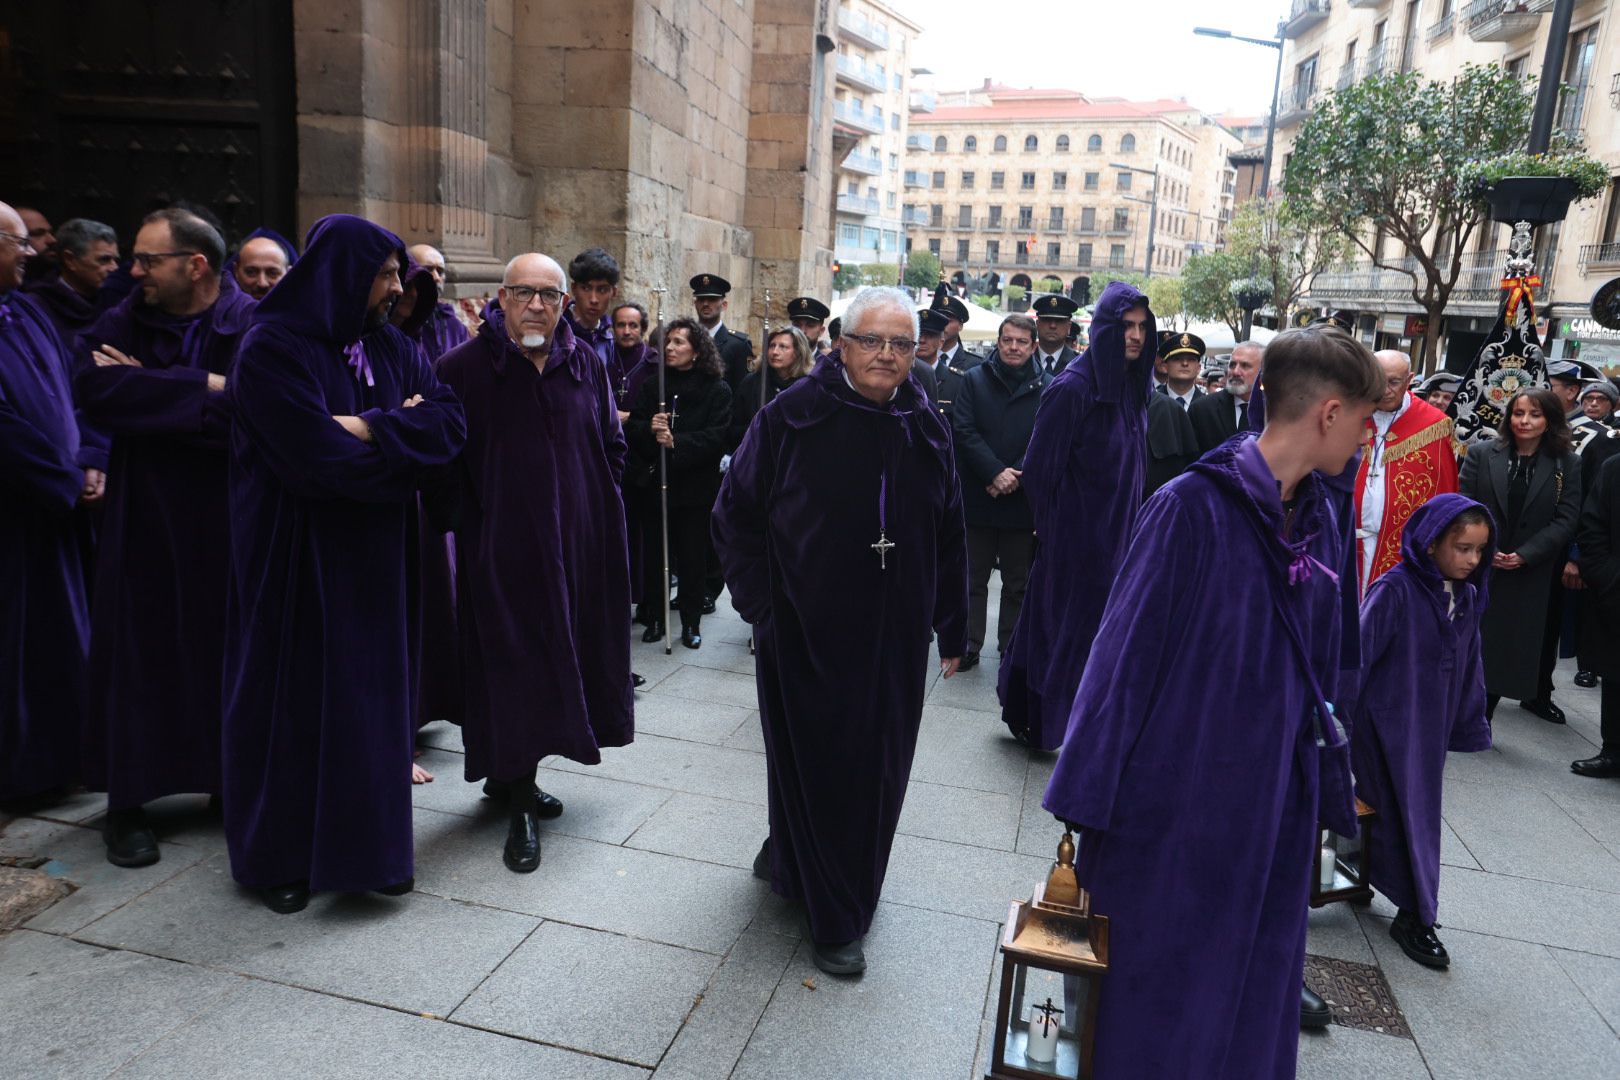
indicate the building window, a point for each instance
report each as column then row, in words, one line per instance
column 962, row 251
column 1116, row 255
column 1060, row 181
column 1000, row 145
column 970, row 144
column 894, row 122
column 967, row 181
column 1611, row 215
column 964, row 217
column 1085, row 255
column 939, row 179
column 995, row 217
column 1091, row 181
column 1122, row 221
column 1578, row 77
column 1054, row 218
column 869, row 238
column 1054, row 254
column 1063, row 144
column 998, row 180
column 1094, row 144
column 1088, row 218
column 936, row 216
column 992, row 251
column 849, row 234
column 894, row 162
column 1127, row 143
column 1022, row 258
column 933, row 247
column 1026, row 217
column 1026, row 182
column 1122, row 182
column 939, row 144
column 1031, row 144
column 891, row 198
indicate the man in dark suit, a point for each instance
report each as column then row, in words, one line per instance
column 936, row 325
column 1182, row 356
column 809, row 316
column 709, row 299
column 1052, row 314
column 1217, row 417
column 952, row 353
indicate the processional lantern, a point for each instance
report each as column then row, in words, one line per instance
column 1340, row 866
column 1054, row 953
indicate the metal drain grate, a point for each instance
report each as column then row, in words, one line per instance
column 1359, row 994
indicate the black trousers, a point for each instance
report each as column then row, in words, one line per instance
column 1013, row 550
column 688, row 558
column 1610, row 723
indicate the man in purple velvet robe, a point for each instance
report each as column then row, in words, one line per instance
column 152, row 376
column 44, row 623
column 263, row 259
column 337, row 421
column 1197, row 801
column 593, row 278
column 443, row 330
column 1422, row 694
column 1083, row 475
column 839, row 528
column 635, row 362
column 540, row 550
column 87, row 252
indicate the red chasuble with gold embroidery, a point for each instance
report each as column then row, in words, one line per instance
column 1414, row 464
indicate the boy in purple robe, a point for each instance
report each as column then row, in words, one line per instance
column 152, row 376
column 593, row 277
column 540, row 551
column 1422, row 694
column 839, row 527
column 44, row 624
column 443, row 329
column 337, row 421
column 1197, row 803
column 1084, row 472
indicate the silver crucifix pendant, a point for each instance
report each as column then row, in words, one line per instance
column 882, row 547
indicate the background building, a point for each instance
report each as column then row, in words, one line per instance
column 1333, row 44
column 1048, row 184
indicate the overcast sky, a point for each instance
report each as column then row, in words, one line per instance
column 1139, row 49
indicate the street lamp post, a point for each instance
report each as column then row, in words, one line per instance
column 1276, row 88
column 1153, row 207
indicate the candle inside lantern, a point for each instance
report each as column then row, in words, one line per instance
column 1329, row 862
column 1043, row 1033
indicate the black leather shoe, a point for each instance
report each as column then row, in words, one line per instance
column 708, row 605
column 654, row 631
column 522, row 853
column 844, row 959
column 1313, row 1011
column 691, row 638
column 1418, row 941
column 398, row 890
column 287, row 899
column 1544, row 709
column 1603, row 766
column 637, row 681
column 762, row 861
column 1586, row 679
column 546, row 806
column 968, row 662
column 129, row 839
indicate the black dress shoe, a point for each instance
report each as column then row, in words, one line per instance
column 1602, row 766
column 844, row 959
column 968, row 662
column 691, row 638
column 522, row 852
column 762, row 861
column 637, row 681
column 1418, row 941
column 1586, row 679
column 398, row 890
column 287, row 899
column 708, row 605
column 1544, row 709
column 654, row 631
column 547, row 807
column 129, row 839
column 1313, row 1011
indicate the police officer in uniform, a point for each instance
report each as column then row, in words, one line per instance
column 1053, row 314
column 709, row 299
column 809, row 316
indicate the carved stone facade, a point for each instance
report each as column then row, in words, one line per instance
column 682, row 135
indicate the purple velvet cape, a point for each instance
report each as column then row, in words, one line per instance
column 1083, row 472
column 44, row 621
column 1196, row 798
column 842, row 645
column 628, row 372
column 1422, row 694
column 540, row 555
column 598, row 339
column 322, row 601
column 158, row 603
column 71, row 312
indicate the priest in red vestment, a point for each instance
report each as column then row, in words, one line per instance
column 1406, row 460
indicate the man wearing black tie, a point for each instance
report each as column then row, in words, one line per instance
column 1183, row 356
column 952, row 353
column 1217, row 417
column 1052, row 312
column 709, row 299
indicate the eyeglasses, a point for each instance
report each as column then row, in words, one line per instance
column 22, row 242
column 871, row 343
column 525, row 294
column 145, row 259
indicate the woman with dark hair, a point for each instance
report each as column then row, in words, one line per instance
column 1530, row 480
column 692, row 429
column 788, row 358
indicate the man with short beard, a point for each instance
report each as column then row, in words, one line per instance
column 442, row 329
column 337, row 422
column 1217, row 417
column 87, row 251
column 263, row 259
column 152, row 376
column 43, row 264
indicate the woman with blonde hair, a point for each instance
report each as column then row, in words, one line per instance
column 788, row 358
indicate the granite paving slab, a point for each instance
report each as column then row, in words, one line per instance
column 962, row 880
column 659, row 713
column 79, row 856
column 1528, row 834
column 707, row 830
column 987, row 819
column 680, row 765
column 728, row 1010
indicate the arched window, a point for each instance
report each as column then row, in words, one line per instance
column 1094, row 144
column 1063, row 144
column 939, row 144
column 1001, row 144
column 970, row 144
column 1031, row 144
column 1127, row 143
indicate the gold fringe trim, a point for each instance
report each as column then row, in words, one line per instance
column 1413, row 443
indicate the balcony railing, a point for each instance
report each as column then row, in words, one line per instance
column 1377, row 59
column 1303, row 16
column 849, row 113
column 870, row 164
column 1297, row 102
column 1599, row 255
column 915, row 179
column 911, row 215
column 918, row 142
column 1054, row 227
column 1369, row 5
column 1499, row 20
column 857, row 204
column 864, row 30
column 993, row 224
column 1347, row 76
column 1025, row 225
column 1087, row 230
column 922, row 101
column 1442, row 28
column 962, row 225
column 859, row 73
column 1479, row 282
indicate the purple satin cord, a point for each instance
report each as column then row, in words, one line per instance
column 6, row 316
column 883, row 504
column 1300, row 569
column 358, row 362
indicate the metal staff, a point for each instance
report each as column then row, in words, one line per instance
column 663, row 464
column 765, row 353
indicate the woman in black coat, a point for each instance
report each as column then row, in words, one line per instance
column 1531, row 482
column 788, row 359
column 692, row 429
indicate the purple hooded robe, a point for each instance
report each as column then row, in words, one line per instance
column 842, row 641
column 628, row 371
column 44, row 623
column 267, row 234
column 321, row 609
column 1083, row 472
column 1197, row 802
column 540, row 555
column 1422, row 694
column 158, row 609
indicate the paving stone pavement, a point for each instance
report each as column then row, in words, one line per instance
column 644, row 948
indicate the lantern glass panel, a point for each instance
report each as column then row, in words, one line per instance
column 1043, row 1022
column 1341, row 861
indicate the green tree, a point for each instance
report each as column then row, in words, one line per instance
column 923, row 269
column 1286, row 245
column 1206, row 287
column 1394, row 157
column 847, row 278
column 880, row 273
column 1165, row 298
